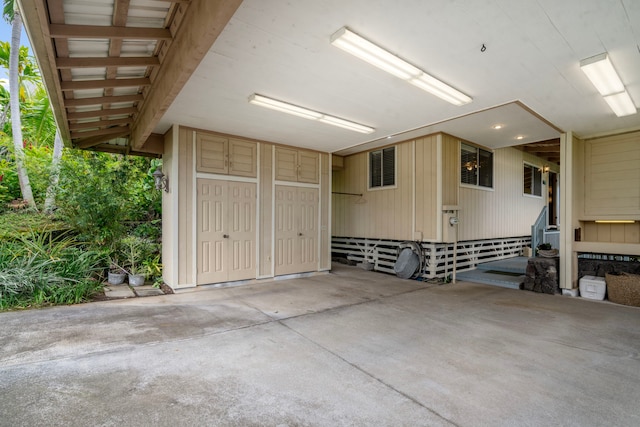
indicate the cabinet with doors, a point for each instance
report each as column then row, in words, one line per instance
column 297, row 165
column 226, row 156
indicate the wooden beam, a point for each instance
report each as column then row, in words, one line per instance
column 123, row 61
column 100, row 132
column 101, row 84
column 103, row 32
column 100, row 123
column 91, row 142
column 154, row 144
column 201, row 25
column 102, row 113
column 77, row 102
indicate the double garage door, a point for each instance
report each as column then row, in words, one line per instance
column 227, row 231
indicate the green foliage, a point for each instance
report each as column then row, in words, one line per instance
column 43, row 268
column 137, row 254
column 99, row 193
column 15, row 225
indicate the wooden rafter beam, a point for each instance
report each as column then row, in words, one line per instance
column 541, row 149
column 100, row 123
column 202, row 23
column 96, row 140
column 77, row 102
column 101, row 84
column 101, row 132
column 103, row 32
column 102, row 113
column 126, row 61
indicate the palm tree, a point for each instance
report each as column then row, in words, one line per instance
column 12, row 15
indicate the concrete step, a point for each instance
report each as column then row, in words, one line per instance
column 509, row 280
column 510, row 265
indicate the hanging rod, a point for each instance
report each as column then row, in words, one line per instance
column 347, row 194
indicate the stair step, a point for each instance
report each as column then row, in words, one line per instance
column 516, row 265
column 510, row 281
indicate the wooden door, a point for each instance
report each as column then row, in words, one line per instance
column 241, row 230
column 226, row 231
column 286, row 164
column 211, row 244
column 296, row 233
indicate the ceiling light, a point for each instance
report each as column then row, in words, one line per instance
column 600, row 71
column 621, row 104
column 306, row 113
column 603, row 76
column 615, row 221
column 519, row 137
column 352, row 43
column 496, row 127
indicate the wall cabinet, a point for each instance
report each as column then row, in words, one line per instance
column 297, row 165
column 226, row 156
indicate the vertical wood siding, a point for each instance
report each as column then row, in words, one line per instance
column 612, row 177
column 427, row 187
column 325, row 212
column 185, row 203
column 265, row 202
column 379, row 213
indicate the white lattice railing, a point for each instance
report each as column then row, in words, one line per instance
column 438, row 256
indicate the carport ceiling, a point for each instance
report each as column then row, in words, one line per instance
column 517, row 59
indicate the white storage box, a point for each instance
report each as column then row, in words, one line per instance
column 592, row 287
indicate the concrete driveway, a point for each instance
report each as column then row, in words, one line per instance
column 350, row 348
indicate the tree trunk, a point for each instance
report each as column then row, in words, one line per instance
column 50, row 201
column 16, row 122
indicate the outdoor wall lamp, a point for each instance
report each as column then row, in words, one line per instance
column 161, row 181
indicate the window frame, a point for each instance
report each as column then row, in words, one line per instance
column 534, row 168
column 478, row 150
column 395, row 169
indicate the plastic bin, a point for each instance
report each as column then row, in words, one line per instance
column 593, row 287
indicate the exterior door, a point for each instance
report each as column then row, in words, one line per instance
column 296, row 234
column 226, row 234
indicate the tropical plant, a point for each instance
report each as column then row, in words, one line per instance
column 41, row 268
column 137, row 251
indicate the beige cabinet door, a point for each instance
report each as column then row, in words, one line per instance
column 242, row 158
column 212, row 153
column 286, row 164
column 296, row 231
column 297, row 165
column 226, row 231
column 308, row 170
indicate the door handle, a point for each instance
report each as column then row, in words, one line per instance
column 300, row 234
column 225, row 236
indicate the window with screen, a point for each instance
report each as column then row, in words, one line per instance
column 476, row 166
column 382, row 168
column 532, row 180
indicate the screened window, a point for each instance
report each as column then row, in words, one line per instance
column 532, row 180
column 382, row 167
column 476, row 166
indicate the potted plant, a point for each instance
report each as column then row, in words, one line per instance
column 544, row 250
column 116, row 274
column 135, row 250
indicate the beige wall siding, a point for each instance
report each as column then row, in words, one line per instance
column 185, row 203
column 427, row 208
column 379, row 213
column 325, row 212
column 169, row 267
column 450, row 172
column 265, row 242
column 612, row 177
column 503, row 211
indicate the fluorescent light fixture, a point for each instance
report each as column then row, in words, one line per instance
column 621, row 104
column 306, row 113
column 603, row 76
column 362, row 48
column 615, row 221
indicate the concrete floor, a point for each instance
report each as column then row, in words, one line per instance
column 352, row 348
